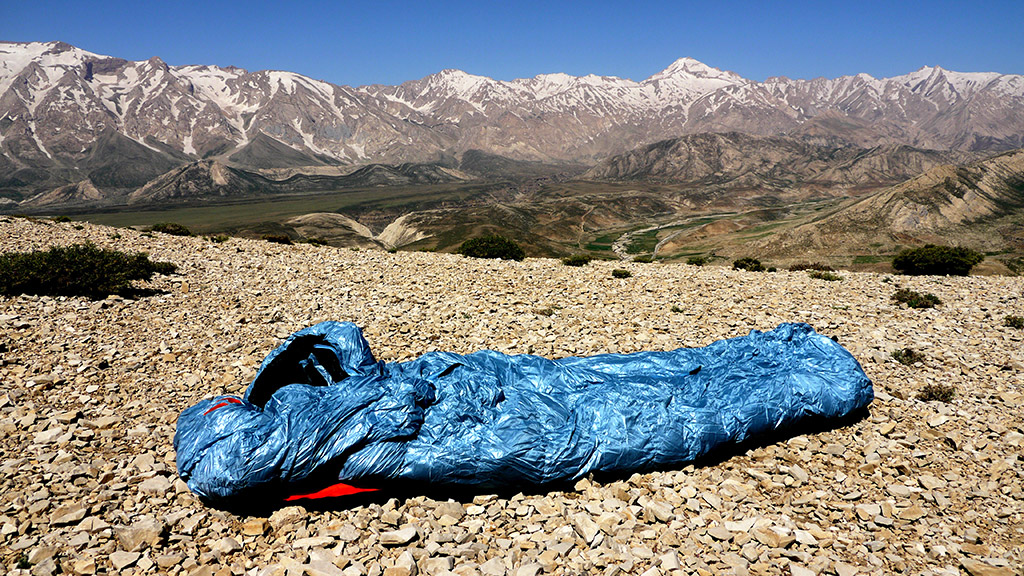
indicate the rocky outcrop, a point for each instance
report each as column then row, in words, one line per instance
column 83, row 192
column 200, row 181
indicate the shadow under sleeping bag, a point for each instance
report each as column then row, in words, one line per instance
column 323, row 410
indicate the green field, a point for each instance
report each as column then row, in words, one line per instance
column 603, row 243
column 869, row 259
column 643, row 243
column 226, row 216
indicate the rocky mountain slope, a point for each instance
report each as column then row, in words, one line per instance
column 735, row 160
column 207, row 181
column 980, row 204
column 56, row 100
column 211, row 180
column 92, row 390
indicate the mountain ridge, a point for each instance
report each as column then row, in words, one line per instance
column 55, row 99
column 731, row 160
column 977, row 204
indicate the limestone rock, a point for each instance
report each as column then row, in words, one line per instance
column 120, row 559
column 399, row 537
column 146, row 531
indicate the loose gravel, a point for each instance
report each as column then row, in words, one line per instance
column 91, row 391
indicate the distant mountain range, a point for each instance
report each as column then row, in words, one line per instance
column 71, row 117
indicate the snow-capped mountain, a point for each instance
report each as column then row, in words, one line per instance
column 58, row 103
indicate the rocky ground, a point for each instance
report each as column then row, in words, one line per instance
column 91, row 391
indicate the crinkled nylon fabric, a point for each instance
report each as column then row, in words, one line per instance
column 322, row 406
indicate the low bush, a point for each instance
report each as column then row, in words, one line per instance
column 77, row 270
column 907, row 356
column 171, row 228
column 1014, row 322
column 937, row 260
column 61, row 219
column 698, row 260
column 643, row 259
column 220, row 238
column 916, row 299
column 824, row 275
column 321, row 242
column 1016, row 265
column 278, row 239
column 576, row 260
column 676, row 309
column 748, row 264
column 492, row 246
column 939, row 392
column 620, row 273
column 800, row 267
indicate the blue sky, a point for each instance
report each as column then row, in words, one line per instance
column 389, row 42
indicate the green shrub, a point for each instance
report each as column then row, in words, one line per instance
column 676, row 309
column 78, row 270
column 916, row 299
column 220, row 238
column 643, row 259
column 824, row 275
column 907, row 356
column 748, row 264
column 620, row 273
column 171, row 228
column 61, row 219
column 165, row 268
column 576, row 260
column 940, row 392
column 492, row 246
column 278, row 239
column 937, row 260
column 320, row 242
column 698, row 260
column 800, row 267
column 1014, row 322
column 1016, row 265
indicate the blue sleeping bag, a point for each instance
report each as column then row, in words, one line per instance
column 322, row 409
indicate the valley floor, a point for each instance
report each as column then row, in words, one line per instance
column 91, row 391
